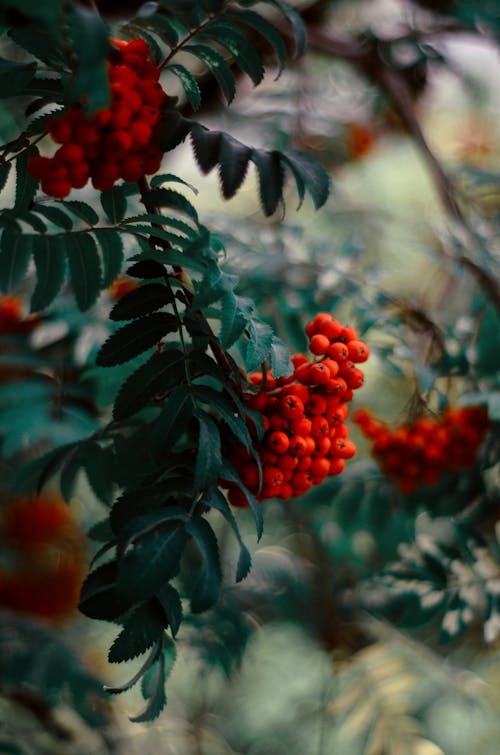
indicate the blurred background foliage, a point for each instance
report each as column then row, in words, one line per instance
column 332, row 643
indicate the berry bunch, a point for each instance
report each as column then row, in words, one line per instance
column 44, row 558
column 305, row 438
column 418, row 453
column 117, row 142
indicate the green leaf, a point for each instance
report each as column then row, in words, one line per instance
column 26, row 185
column 82, row 210
column 233, row 164
column 169, row 198
column 218, row 67
column 146, row 269
column 135, row 338
column 15, row 254
column 215, row 500
column 207, row 588
column 170, row 602
column 141, row 629
column 89, row 37
column 206, row 145
column 173, row 420
column 99, row 470
column 242, row 50
column 47, row 12
column 114, row 204
column 189, row 84
column 259, row 344
column 208, row 452
column 309, row 174
column 271, row 177
column 36, row 39
column 214, row 284
column 4, row 174
column 153, row 561
column 296, row 22
column 141, row 301
column 266, row 30
column 111, row 246
column 233, row 318
column 99, row 598
column 160, row 373
column 227, row 411
column 281, row 363
column 156, row 698
column 54, row 215
column 14, row 77
column 147, row 664
column 49, row 255
column 84, row 268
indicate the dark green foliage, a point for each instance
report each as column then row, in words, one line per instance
column 135, row 338
column 53, row 671
column 49, row 256
column 84, row 268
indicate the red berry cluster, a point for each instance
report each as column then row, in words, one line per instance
column 418, row 453
column 305, row 438
column 13, row 318
column 117, row 142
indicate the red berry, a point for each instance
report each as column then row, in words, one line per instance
column 60, row 129
column 117, row 144
column 338, row 352
column 298, row 445
column 319, row 344
column 316, row 404
column 70, row 153
column 278, row 442
column 121, row 117
column 330, row 328
column 319, row 427
column 132, row 167
column 291, row 407
column 273, row 476
column 148, row 115
column 152, row 160
column 319, row 374
column 105, row 176
column 140, row 133
column 301, row 426
column 38, row 166
column 358, row 351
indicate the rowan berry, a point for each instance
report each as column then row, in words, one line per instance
column 132, row 167
column 319, row 427
column 304, row 463
column 291, row 407
column 268, row 458
column 60, row 130
column 338, row 351
column 59, row 188
column 152, row 160
column 319, row 374
column 278, row 422
column 70, row 153
column 272, row 476
column 336, row 386
column 121, row 117
column 301, row 426
column 297, row 389
column 148, row 115
column 278, row 442
column 286, row 462
column 355, row 380
column 237, row 498
column 302, row 373
column 358, row 351
column 298, row 445
column 337, row 466
column 125, row 75
column 322, row 445
column 343, row 449
column 138, row 47
column 348, row 333
column 249, row 474
column 257, row 401
column 302, row 481
column 298, row 359
column 318, row 345
column 332, row 365
column 38, row 166
column 316, row 404
column 286, row 491
column 330, row 328
column 320, row 467
column 105, row 176
column 116, row 145
column 79, row 174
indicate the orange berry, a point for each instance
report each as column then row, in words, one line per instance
column 319, row 344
